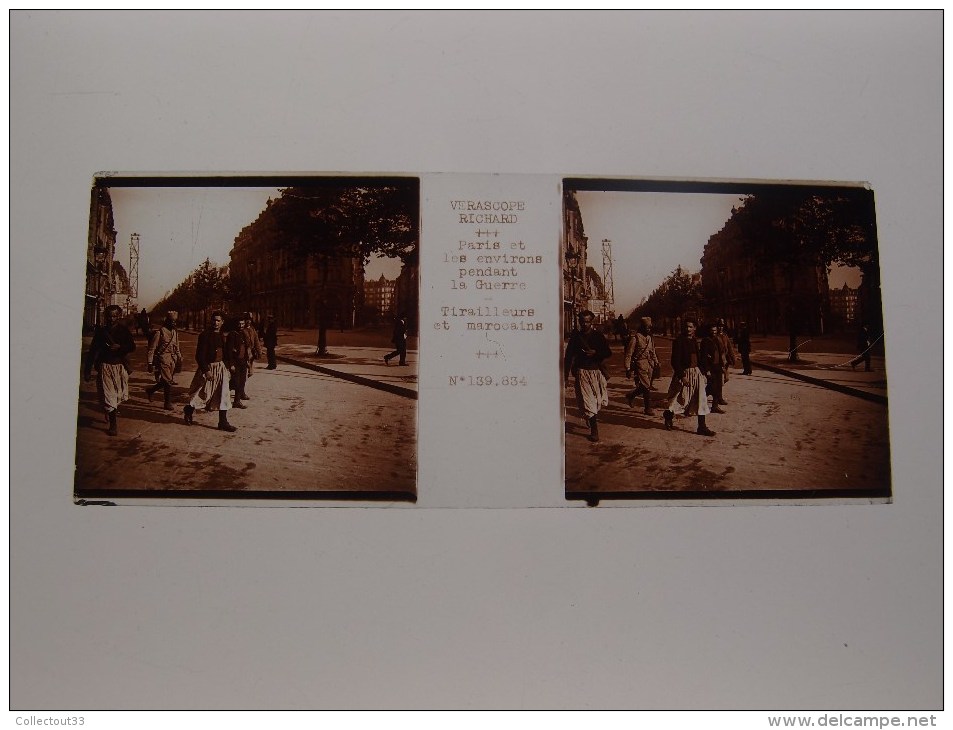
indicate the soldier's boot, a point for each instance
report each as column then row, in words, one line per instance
column 647, row 400
column 703, row 430
column 593, row 429
column 113, row 427
column 189, row 410
column 223, row 424
column 167, row 393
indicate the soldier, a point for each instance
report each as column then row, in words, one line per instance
column 586, row 351
column 253, row 351
column 236, row 346
column 711, row 361
column 209, row 389
column 728, row 359
column 108, row 353
column 641, row 363
column 164, row 358
column 686, row 393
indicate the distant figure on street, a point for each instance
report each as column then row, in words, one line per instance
column 143, row 324
column 164, row 359
column 711, row 361
column 744, row 348
column 621, row 329
column 109, row 355
column 399, row 338
column 640, row 363
column 586, row 352
column 209, row 389
column 864, row 344
column 270, row 339
column 686, row 394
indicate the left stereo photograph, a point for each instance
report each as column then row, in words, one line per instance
column 249, row 338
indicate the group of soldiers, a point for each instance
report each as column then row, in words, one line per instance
column 700, row 368
column 225, row 355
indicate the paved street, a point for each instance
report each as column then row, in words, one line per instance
column 303, row 431
column 780, row 434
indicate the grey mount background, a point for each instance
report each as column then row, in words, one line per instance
column 738, row 607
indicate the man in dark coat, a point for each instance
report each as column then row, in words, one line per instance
column 399, row 338
column 209, row 389
column 143, row 324
column 271, row 342
column 728, row 356
column 586, row 352
column 711, row 361
column 109, row 355
column 863, row 346
column 686, row 393
column 245, row 368
column 744, row 348
column 236, row 345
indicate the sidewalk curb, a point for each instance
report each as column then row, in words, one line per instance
column 359, row 379
column 846, row 389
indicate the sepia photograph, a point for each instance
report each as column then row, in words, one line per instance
column 722, row 340
column 250, row 337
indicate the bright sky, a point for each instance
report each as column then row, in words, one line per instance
column 653, row 233
column 180, row 227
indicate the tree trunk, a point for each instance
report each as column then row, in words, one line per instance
column 322, row 333
column 322, row 323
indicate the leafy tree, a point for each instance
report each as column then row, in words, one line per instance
column 206, row 287
column 331, row 225
column 802, row 230
column 678, row 294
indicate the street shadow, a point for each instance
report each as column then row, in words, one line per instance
column 617, row 414
column 130, row 411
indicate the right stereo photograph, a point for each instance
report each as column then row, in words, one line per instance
column 722, row 340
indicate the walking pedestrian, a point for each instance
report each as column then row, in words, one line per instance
column 711, row 362
column 143, row 324
column 236, row 357
column 728, row 357
column 686, row 394
column 621, row 329
column 863, row 347
column 640, row 364
column 109, row 354
column 399, row 338
column 164, row 359
column 209, row 389
column 253, row 341
column 271, row 342
column 586, row 352
column 744, row 348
